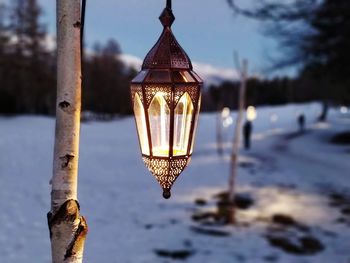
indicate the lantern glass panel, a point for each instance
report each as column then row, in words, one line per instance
column 182, row 76
column 188, row 77
column 196, row 76
column 182, row 118
column 159, row 118
column 141, row 76
column 141, row 124
column 196, row 123
column 159, row 76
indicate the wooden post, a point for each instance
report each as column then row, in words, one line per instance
column 67, row 227
column 236, row 140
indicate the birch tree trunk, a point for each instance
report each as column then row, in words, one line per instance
column 236, row 140
column 67, row 227
column 219, row 143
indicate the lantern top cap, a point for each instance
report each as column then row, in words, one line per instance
column 167, row 52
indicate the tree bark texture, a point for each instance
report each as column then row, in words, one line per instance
column 68, row 228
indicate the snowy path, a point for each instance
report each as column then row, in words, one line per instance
column 129, row 222
column 310, row 156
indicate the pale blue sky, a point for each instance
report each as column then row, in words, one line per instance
column 207, row 29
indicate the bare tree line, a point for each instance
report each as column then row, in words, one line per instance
column 28, row 67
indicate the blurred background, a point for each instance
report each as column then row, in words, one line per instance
column 297, row 51
column 293, row 178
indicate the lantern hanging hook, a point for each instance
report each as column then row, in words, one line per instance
column 168, row 4
column 82, row 23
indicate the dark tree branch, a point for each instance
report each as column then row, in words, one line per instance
column 275, row 10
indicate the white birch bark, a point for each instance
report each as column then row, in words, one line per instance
column 219, row 144
column 68, row 228
column 236, row 140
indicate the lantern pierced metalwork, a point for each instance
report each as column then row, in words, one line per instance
column 166, row 97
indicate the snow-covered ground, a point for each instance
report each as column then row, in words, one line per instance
column 302, row 179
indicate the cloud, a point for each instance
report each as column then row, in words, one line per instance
column 210, row 74
column 215, row 75
column 131, row 61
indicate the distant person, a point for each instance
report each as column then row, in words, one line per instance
column 247, row 132
column 301, row 122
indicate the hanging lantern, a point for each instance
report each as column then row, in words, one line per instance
column 166, row 98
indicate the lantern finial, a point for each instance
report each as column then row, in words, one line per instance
column 168, row 4
column 167, row 17
column 166, row 193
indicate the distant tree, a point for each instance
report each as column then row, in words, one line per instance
column 3, row 35
column 111, row 49
column 7, row 99
column 31, row 73
column 3, row 28
column 34, row 31
column 287, row 21
column 314, row 34
column 17, row 10
column 328, row 48
column 107, row 81
column 259, row 91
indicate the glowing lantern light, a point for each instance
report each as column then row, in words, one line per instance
column 166, row 97
column 251, row 113
column 226, row 117
column 344, row 109
column 226, row 112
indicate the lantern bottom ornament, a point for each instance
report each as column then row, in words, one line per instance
column 166, row 171
column 166, row 97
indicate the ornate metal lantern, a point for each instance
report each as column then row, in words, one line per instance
column 166, row 98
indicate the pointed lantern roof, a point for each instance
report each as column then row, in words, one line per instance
column 167, row 52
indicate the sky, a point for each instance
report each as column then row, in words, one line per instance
column 207, row 30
